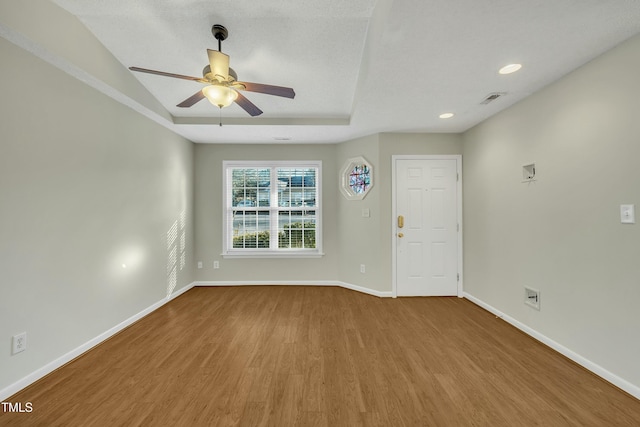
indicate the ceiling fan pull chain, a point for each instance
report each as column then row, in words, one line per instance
column 220, row 121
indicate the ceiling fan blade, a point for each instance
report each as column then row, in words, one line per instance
column 162, row 73
column 285, row 92
column 193, row 99
column 247, row 105
column 219, row 63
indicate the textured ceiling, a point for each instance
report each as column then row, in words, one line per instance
column 358, row 67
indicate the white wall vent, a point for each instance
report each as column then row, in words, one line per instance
column 532, row 297
column 492, row 97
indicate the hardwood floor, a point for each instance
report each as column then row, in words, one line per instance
column 321, row 356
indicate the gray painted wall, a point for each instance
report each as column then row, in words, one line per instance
column 349, row 238
column 562, row 233
column 209, row 211
column 360, row 237
column 87, row 186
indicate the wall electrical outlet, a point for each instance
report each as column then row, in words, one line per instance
column 199, row 264
column 19, row 343
column 216, row 264
column 627, row 214
column 362, row 268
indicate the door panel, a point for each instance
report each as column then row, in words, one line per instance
column 414, row 210
column 427, row 245
column 415, row 255
column 438, row 255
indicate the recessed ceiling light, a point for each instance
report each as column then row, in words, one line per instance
column 446, row 115
column 511, row 68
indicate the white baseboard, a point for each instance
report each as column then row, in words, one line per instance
column 66, row 358
column 266, row 283
column 381, row 294
column 621, row 383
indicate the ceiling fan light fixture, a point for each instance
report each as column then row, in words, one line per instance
column 220, row 96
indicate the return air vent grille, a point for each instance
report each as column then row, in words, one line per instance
column 492, row 97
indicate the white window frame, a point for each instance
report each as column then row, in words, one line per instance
column 345, row 176
column 228, row 251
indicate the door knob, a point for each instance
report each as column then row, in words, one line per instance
column 400, row 235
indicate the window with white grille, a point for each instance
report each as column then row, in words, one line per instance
column 272, row 209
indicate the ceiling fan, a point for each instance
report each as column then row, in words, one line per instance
column 222, row 81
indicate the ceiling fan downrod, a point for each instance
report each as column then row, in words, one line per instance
column 220, row 33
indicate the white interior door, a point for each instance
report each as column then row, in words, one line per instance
column 426, row 227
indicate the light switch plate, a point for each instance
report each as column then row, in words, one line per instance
column 366, row 213
column 627, row 214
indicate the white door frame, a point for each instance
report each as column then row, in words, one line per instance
column 394, row 214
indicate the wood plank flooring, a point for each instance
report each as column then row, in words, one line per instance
column 321, row 356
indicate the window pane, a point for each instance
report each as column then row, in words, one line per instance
column 296, row 229
column 309, row 197
column 296, row 187
column 359, row 178
column 264, row 194
column 250, row 187
column 284, row 201
column 258, row 240
column 251, row 229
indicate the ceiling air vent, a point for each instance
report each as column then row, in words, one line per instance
column 492, row 97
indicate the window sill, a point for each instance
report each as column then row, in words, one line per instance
column 273, row 255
